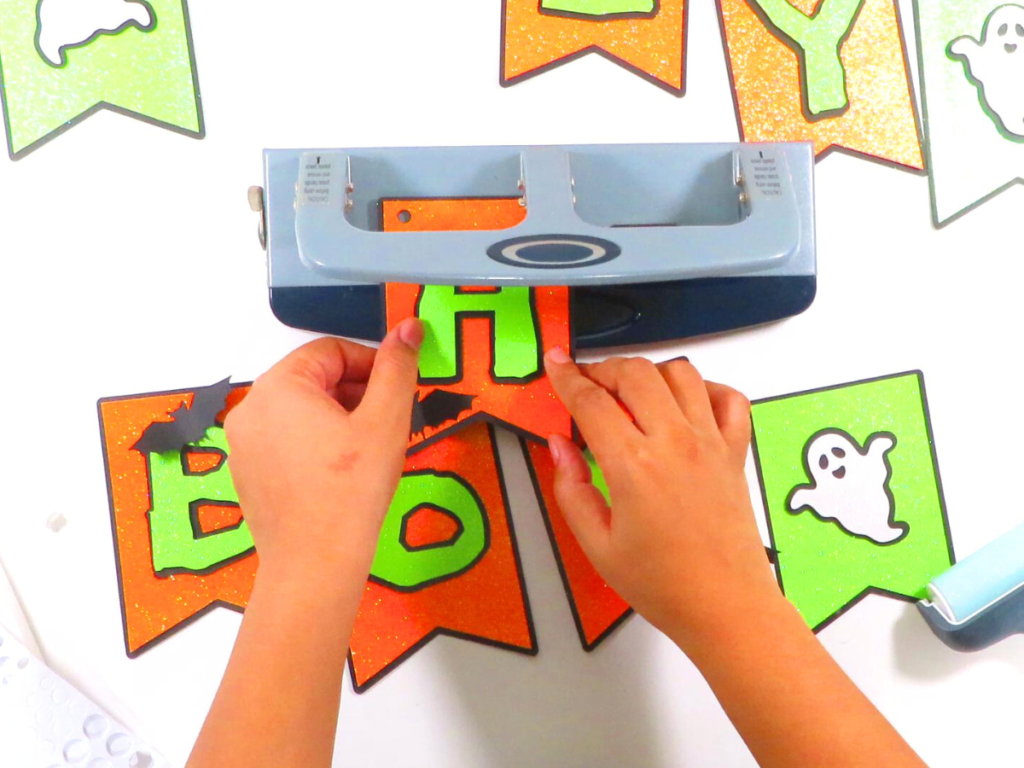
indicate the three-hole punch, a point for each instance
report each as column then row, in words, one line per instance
column 657, row 242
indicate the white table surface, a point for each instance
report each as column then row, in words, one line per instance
column 116, row 230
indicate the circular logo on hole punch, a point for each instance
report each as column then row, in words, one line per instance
column 554, row 251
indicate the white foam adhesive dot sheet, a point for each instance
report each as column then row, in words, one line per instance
column 45, row 722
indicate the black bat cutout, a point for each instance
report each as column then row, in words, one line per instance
column 437, row 408
column 190, row 424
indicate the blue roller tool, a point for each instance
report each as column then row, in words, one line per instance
column 980, row 601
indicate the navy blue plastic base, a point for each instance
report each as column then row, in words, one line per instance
column 605, row 317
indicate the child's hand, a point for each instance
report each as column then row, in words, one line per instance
column 679, row 542
column 318, row 446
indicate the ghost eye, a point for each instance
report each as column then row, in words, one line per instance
column 838, row 452
column 1004, row 29
column 1020, row 30
column 823, row 461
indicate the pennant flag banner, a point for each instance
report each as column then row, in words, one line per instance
column 972, row 73
column 60, row 62
column 180, row 544
column 646, row 36
column 596, row 608
column 447, row 561
column 851, row 488
column 832, row 72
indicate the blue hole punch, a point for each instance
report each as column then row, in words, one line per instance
column 657, row 242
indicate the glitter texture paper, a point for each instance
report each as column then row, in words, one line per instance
column 446, row 562
column 153, row 606
column 601, row 9
column 485, row 602
column 596, row 608
column 58, row 67
column 971, row 56
column 483, row 344
column 536, row 38
column 851, row 488
column 832, row 72
column 448, row 214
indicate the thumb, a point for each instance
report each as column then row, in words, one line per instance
column 580, row 502
column 392, row 385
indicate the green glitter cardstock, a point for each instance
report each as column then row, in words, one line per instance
column 851, row 488
column 62, row 60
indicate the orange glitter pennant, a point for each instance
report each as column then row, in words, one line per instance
column 446, row 214
column 487, row 603
column 652, row 45
column 862, row 102
column 472, row 387
column 597, row 609
column 153, row 606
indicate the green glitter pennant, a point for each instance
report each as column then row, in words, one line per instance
column 63, row 60
column 852, row 492
column 971, row 56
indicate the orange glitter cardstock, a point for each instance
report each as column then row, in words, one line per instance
column 176, row 514
column 446, row 561
column 484, row 347
column 652, row 44
column 833, row 72
column 481, row 597
column 597, row 609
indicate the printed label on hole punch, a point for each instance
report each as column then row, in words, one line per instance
column 767, row 180
column 316, row 179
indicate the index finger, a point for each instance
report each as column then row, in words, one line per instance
column 326, row 362
column 601, row 420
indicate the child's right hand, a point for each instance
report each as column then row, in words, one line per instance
column 680, row 542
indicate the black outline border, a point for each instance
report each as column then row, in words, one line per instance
column 441, row 631
column 863, row 452
column 451, row 542
column 197, row 528
column 403, row 531
column 545, row 513
column 935, row 466
column 101, row 105
column 201, row 451
column 593, row 48
column 919, row 120
column 218, row 603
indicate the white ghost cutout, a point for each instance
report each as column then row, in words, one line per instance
column 67, row 24
column 850, row 485
column 995, row 65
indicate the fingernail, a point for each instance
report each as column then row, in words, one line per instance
column 410, row 331
column 556, row 452
column 558, row 356
column 684, row 358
